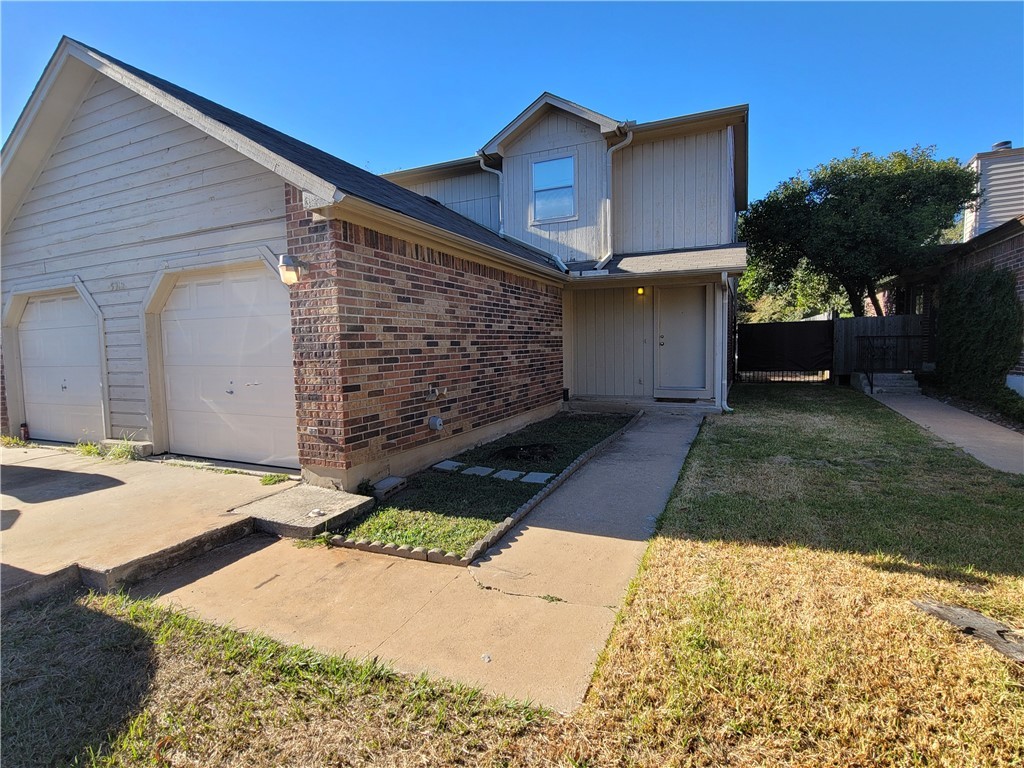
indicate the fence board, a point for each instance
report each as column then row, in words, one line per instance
column 847, row 329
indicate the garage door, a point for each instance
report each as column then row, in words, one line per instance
column 60, row 364
column 228, row 368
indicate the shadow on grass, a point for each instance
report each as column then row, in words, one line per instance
column 831, row 469
column 71, row 677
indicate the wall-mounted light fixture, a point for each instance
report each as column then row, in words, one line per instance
column 640, row 291
column 290, row 269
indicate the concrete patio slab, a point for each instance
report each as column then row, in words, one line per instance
column 989, row 443
column 539, row 607
column 60, row 508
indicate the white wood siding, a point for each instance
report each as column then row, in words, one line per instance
column 673, row 193
column 1002, row 182
column 611, row 343
column 557, row 135
column 130, row 190
column 474, row 195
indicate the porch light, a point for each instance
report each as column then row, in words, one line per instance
column 290, row 269
column 640, row 291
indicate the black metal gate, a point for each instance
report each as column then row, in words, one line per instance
column 799, row 351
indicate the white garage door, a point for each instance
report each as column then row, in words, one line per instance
column 228, row 368
column 60, row 364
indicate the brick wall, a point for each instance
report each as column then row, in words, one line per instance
column 1007, row 254
column 379, row 321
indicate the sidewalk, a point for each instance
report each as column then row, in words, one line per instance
column 996, row 446
column 527, row 621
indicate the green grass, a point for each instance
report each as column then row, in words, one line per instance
column 112, row 681
column 448, row 512
column 570, row 433
column 7, row 441
column 453, row 511
column 89, row 450
column 273, row 479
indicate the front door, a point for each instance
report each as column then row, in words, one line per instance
column 683, row 354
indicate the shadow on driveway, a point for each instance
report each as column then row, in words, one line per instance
column 33, row 485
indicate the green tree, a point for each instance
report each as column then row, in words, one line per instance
column 853, row 221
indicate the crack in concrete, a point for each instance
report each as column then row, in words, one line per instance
column 545, row 598
column 414, row 614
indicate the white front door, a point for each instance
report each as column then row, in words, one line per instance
column 60, row 368
column 683, row 353
column 228, row 368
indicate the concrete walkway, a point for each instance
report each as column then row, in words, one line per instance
column 528, row 621
column 996, row 446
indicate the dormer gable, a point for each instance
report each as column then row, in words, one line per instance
column 529, row 117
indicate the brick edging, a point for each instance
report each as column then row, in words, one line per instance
column 494, row 535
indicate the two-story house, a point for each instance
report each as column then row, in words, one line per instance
column 181, row 274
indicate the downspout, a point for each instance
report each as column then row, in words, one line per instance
column 723, row 345
column 501, row 191
column 628, row 127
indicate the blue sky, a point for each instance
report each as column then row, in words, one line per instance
column 394, row 85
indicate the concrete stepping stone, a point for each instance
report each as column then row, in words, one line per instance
column 304, row 511
column 508, row 474
column 481, row 471
column 448, row 466
column 537, row 477
column 389, row 486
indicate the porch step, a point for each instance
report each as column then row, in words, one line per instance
column 890, row 383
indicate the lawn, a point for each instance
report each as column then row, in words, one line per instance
column 770, row 624
column 451, row 512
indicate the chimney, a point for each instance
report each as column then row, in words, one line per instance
column 1001, row 145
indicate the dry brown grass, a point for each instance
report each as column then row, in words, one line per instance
column 771, row 622
column 770, row 625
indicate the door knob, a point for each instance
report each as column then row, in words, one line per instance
column 661, row 343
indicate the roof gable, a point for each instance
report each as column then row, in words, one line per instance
column 74, row 66
column 529, row 116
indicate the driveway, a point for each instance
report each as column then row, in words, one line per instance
column 60, row 508
column 528, row 620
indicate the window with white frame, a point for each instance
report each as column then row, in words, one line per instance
column 554, row 194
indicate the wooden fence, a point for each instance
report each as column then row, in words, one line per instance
column 847, row 330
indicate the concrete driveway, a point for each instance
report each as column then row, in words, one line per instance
column 60, row 508
column 528, row 620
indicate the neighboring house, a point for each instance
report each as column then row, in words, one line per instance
column 993, row 238
column 1001, row 187
column 145, row 229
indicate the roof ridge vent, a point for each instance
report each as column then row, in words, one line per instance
column 1001, row 145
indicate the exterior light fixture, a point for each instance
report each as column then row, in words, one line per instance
column 290, row 269
column 640, row 291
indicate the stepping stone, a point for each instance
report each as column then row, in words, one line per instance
column 388, row 486
column 448, row 466
column 481, row 471
column 508, row 474
column 537, row 477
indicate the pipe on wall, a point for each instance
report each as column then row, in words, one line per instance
column 501, row 190
column 608, row 195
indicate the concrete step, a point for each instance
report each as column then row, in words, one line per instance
column 894, row 383
column 304, row 511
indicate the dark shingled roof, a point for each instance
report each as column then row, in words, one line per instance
column 345, row 176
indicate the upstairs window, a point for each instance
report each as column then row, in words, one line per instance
column 554, row 194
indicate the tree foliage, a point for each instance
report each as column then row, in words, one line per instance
column 856, row 220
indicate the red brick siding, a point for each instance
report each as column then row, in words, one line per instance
column 1007, row 254
column 380, row 320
